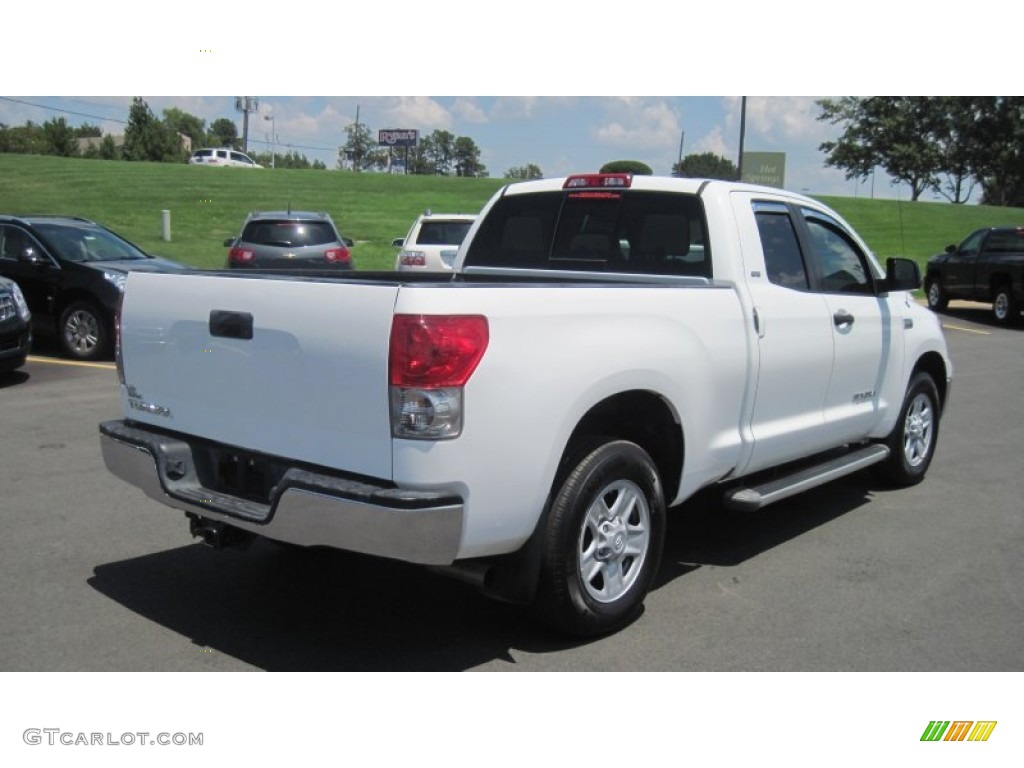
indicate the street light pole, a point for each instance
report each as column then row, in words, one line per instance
column 273, row 130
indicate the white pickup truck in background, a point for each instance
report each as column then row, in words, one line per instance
column 606, row 346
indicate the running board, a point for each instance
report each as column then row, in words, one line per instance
column 752, row 499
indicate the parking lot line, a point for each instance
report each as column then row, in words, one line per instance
column 76, row 363
column 966, row 330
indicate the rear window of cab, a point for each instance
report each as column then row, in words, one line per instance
column 628, row 231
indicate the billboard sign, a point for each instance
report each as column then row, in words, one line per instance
column 766, row 168
column 398, row 137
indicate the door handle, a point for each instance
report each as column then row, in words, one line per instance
column 842, row 319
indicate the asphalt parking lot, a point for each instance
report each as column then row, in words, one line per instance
column 95, row 576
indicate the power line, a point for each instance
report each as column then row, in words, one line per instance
column 65, row 111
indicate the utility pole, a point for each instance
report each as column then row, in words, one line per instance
column 355, row 144
column 682, row 135
column 246, row 105
column 743, row 133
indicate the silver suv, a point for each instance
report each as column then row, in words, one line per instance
column 433, row 241
column 289, row 240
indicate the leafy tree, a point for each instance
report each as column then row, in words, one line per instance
column 888, row 131
column 706, row 165
column 998, row 158
column 108, row 149
column 360, row 149
column 530, row 171
column 952, row 129
column 223, row 133
column 467, row 158
column 25, row 139
column 147, row 138
column 627, row 166
column 189, row 125
column 60, row 138
column 440, row 150
column 87, row 131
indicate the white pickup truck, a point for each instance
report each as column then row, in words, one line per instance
column 606, row 346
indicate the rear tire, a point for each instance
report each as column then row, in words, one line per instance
column 912, row 442
column 603, row 542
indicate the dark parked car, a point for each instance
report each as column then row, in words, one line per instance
column 289, row 240
column 15, row 326
column 987, row 266
column 72, row 272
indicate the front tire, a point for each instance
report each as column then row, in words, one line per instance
column 603, row 542
column 1005, row 308
column 912, row 442
column 937, row 299
column 83, row 331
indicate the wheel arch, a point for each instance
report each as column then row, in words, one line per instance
column 933, row 364
column 640, row 416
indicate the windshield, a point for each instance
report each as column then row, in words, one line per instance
column 80, row 244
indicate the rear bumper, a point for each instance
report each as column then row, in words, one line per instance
column 304, row 507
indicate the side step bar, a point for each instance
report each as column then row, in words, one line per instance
column 758, row 496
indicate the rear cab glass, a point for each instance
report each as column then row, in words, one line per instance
column 626, row 231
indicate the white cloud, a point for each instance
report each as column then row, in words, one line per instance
column 639, row 123
column 469, row 111
column 420, row 111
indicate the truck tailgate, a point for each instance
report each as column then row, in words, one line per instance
column 288, row 367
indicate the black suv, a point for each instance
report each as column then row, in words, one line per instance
column 72, row 272
column 987, row 266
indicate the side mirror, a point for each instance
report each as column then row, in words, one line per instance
column 30, row 255
column 398, row 242
column 951, row 248
column 901, row 275
column 348, row 241
column 229, row 242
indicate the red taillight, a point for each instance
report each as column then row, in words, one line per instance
column 241, row 255
column 435, row 350
column 598, row 180
column 118, row 359
column 337, row 255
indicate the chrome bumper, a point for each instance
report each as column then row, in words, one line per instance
column 306, row 508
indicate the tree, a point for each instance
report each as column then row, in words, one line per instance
column 147, row 138
column 998, row 158
column 360, row 151
column 706, row 165
column 223, row 133
column 529, row 171
column 893, row 132
column 627, row 166
column 467, row 158
column 189, row 125
column 87, row 131
column 60, row 138
column 439, row 147
column 27, row 139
